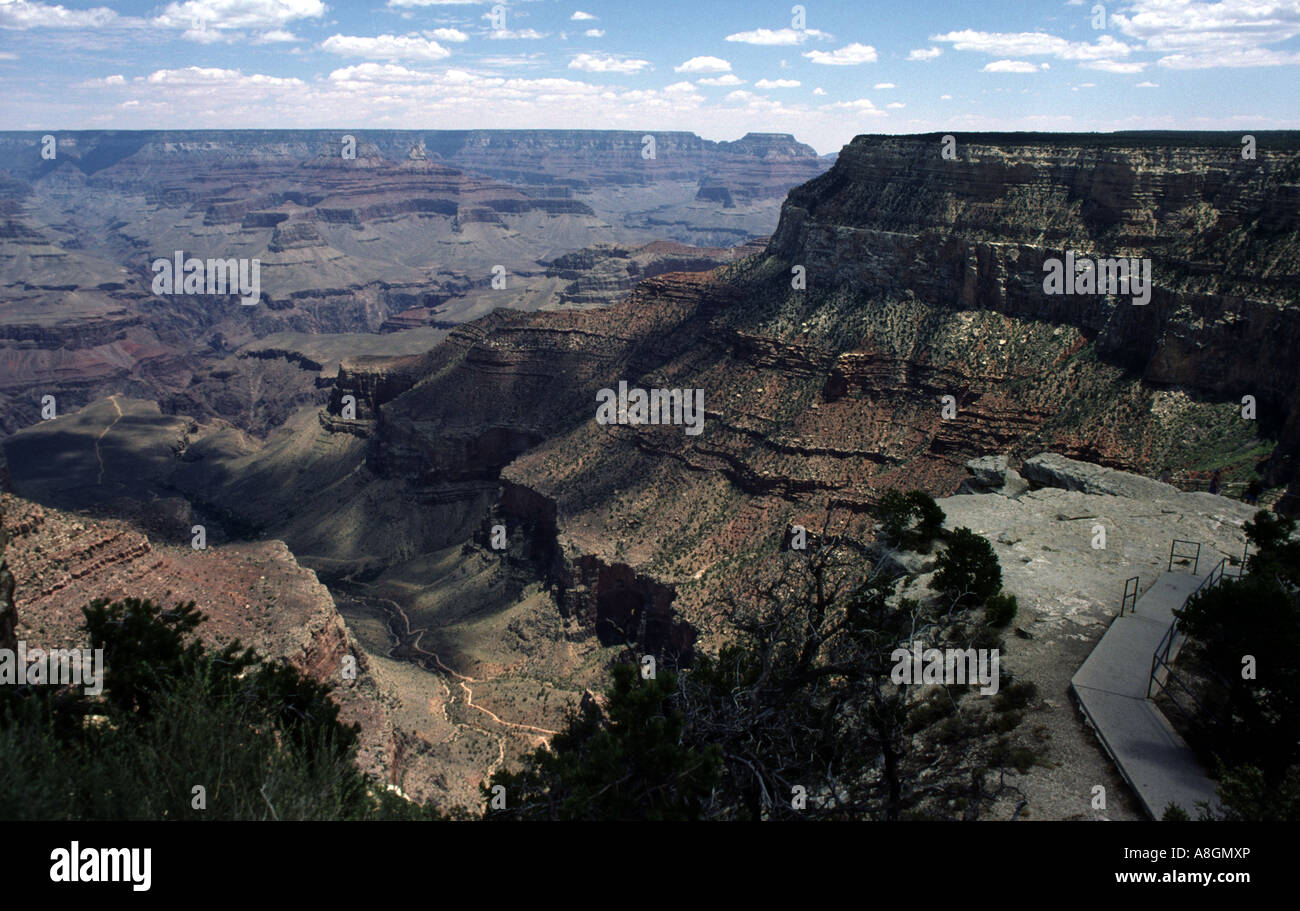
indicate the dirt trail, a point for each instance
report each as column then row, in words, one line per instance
column 99, row 458
column 412, row 637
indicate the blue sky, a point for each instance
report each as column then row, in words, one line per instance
column 719, row 69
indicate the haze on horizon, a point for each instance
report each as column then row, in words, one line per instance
column 823, row 72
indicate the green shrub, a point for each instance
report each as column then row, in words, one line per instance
column 1000, row 609
column 968, row 571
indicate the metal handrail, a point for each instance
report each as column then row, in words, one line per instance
column 1195, row 557
column 1130, row 597
column 1159, row 660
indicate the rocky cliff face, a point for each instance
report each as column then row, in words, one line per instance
column 924, row 281
column 895, row 220
column 922, row 339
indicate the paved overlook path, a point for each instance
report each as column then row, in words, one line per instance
column 1111, row 686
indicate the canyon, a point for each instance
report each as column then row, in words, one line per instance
column 924, row 280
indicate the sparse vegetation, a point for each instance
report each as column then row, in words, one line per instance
column 1245, row 634
column 799, row 717
column 263, row 741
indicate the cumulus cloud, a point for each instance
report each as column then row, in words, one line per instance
column 1112, row 66
column 237, row 14
column 849, row 55
column 526, row 34
column 729, row 79
column 580, row 16
column 885, row 85
column 778, row 36
column 777, row 84
column 276, row 36
column 1012, row 66
column 859, row 106
column 454, row 35
column 704, row 65
column 923, row 53
column 607, row 63
column 206, row 77
column 1191, row 34
column 1033, row 44
column 1232, row 58
column 385, row 47
column 595, row 33
column 18, row 14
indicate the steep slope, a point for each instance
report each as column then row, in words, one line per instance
column 924, row 280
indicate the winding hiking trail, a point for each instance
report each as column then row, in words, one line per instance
column 98, row 457
column 411, row 640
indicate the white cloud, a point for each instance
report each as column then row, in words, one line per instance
column 885, row 85
column 595, row 33
column 1010, row 66
column 276, row 36
column 117, row 79
column 1234, row 58
column 729, row 79
column 945, row 98
column 896, row 105
column 860, row 105
column 385, row 47
column 454, row 35
column 377, row 72
column 777, row 84
column 780, row 36
column 819, row 91
column 1147, row 85
column 505, row 34
column 704, row 65
column 18, row 14
column 1033, row 44
column 923, row 54
column 205, row 78
column 200, row 15
column 1198, row 26
column 849, row 55
column 607, row 63
column 1112, row 66
column 580, row 16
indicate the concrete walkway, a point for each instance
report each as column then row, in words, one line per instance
column 1111, row 687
